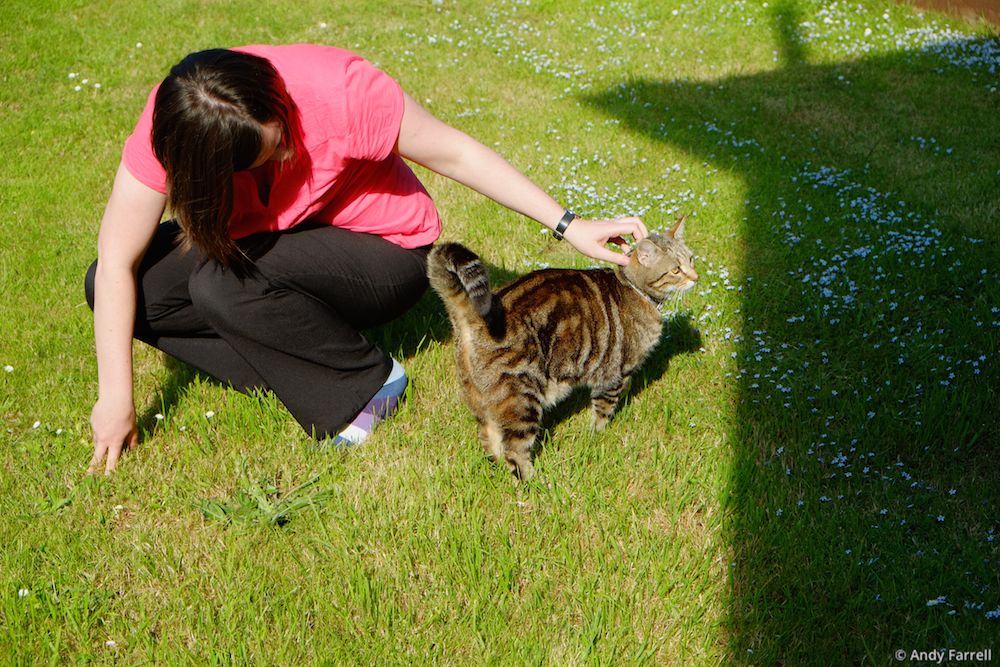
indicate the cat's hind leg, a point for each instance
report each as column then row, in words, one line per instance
column 603, row 401
column 518, row 420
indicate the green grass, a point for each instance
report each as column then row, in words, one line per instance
column 804, row 472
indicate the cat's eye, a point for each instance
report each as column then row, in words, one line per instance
column 676, row 271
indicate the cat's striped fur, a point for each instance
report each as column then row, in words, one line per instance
column 526, row 346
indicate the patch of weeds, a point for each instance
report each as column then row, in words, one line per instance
column 264, row 502
column 54, row 500
column 57, row 498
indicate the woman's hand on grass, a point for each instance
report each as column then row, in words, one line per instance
column 114, row 429
column 591, row 237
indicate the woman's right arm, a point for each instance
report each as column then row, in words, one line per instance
column 130, row 220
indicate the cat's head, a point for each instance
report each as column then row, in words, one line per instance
column 662, row 265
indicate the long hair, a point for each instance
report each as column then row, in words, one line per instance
column 208, row 121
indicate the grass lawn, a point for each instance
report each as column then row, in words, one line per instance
column 804, row 472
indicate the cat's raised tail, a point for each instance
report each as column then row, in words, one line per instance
column 463, row 283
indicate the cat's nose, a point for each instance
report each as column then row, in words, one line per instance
column 692, row 275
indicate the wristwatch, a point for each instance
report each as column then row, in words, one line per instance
column 564, row 221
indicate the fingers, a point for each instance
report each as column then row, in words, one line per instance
column 608, row 255
column 596, row 235
column 102, row 450
column 114, row 428
column 624, row 227
column 631, row 226
column 95, row 460
column 114, row 452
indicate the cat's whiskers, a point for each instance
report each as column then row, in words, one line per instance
column 674, row 299
column 672, row 296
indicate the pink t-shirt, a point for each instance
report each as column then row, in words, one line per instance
column 350, row 113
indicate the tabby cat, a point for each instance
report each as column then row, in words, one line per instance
column 526, row 346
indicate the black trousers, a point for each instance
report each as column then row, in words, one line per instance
column 290, row 323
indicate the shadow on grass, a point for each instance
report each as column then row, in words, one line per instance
column 860, row 500
column 678, row 337
column 179, row 377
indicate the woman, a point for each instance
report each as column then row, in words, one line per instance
column 296, row 224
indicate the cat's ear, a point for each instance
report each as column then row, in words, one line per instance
column 677, row 231
column 647, row 252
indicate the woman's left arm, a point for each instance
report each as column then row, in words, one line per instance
column 441, row 148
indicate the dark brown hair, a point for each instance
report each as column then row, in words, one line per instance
column 208, row 119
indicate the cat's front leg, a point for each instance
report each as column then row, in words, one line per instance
column 603, row 401
column 491, row 438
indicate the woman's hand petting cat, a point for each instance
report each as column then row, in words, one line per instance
column 591, row 237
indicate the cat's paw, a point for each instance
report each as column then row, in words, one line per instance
column 599, row 422
column 521, row 466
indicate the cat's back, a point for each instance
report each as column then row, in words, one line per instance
column 561, row 294
column 572, row 315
